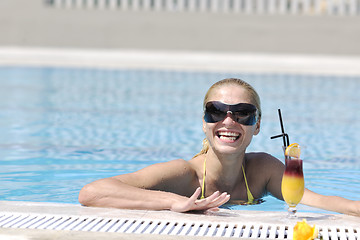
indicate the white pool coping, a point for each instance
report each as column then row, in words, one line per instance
column 182, row 60
column 263, row 218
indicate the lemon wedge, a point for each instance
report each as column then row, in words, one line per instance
column 293, row 150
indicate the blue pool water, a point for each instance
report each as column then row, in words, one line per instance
column 62, row 128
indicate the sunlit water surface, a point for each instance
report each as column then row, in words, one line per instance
column 62, row 128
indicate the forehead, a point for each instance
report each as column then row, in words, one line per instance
column 230, row 94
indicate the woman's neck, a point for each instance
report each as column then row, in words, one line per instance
column 224, row 170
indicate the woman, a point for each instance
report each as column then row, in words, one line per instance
column 222, row 171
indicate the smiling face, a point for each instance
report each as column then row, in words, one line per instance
column 227, row 136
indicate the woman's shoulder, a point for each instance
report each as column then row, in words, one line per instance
column 259, row 156
column 172, row 168
column 262, row 159
column 177, row 163
column 180, row 162
column 262, row 167
column 185, row 171
column 182, row 166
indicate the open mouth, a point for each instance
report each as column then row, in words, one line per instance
column 228, row 136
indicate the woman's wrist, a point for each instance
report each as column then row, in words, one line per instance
column 354, row 208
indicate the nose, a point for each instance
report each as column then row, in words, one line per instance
column 229, row 117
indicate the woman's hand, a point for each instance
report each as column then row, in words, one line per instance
column 214, row 201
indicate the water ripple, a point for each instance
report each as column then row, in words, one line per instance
column 62, row 128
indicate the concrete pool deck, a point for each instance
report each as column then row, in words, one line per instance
column 35, row 24
column 20, row 229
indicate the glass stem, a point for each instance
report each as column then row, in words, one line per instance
column 292, row 212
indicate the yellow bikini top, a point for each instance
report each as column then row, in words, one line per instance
column 249, row 195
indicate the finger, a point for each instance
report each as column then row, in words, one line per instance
column 208, row 200
column 225, row 200
column 213, row 201
column 213, row 196
column 215, row 209
column 195, row 194
column 222, row 199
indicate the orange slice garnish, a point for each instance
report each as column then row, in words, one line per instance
column 293, row 150
column 303, row 231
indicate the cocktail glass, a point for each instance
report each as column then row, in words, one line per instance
column 292, row 185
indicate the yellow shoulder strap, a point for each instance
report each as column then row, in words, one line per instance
column 249, row 195
column 203, row 181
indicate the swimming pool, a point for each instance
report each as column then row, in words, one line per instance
column 65, row 127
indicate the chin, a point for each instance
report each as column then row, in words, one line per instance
column 227, row 150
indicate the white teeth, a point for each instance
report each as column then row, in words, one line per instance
column 227, row 138
column 229, row 134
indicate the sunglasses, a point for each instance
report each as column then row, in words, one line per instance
column 243, row 113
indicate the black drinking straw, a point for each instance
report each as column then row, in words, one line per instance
column 283, row 134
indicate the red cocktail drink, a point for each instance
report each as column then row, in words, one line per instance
column 292, row 186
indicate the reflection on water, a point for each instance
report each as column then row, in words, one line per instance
column 62, row 128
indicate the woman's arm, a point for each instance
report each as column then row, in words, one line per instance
column 269, row 174
column 157, row 187
column 331, row 203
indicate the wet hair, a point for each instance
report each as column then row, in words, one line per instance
column 254, row 97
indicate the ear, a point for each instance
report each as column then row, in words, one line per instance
column 257, row 127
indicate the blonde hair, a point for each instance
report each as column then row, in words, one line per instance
column 255, row 99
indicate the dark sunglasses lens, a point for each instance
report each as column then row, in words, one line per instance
column 243, row 113
column 214, row 112
column 249, row 119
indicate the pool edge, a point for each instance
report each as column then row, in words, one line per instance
column 263, row 218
